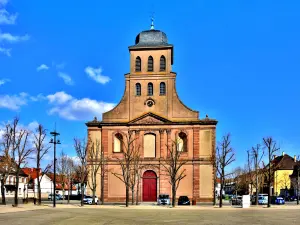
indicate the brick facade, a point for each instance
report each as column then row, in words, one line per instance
column 165, row 117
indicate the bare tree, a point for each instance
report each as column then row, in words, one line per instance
column 134, row 173
column 70, row 175
column 126, row 162
column 173, row 167
column 239, row 177
column 225, row 156
column 271, row 147
column 20, row 154
column 62, row 169
column 96, row 162
column 82, row 167
column 41, row 150
column 249, row 171
column 257, row 156
column 7, row 164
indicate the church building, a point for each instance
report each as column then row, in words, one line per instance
column 151, row 109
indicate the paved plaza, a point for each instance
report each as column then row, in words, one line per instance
column 147, row 215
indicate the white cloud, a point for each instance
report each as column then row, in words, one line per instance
column 96, row 75
column 42, row 67
column 7, row 18
column 13, row 102
column 3, row 81
column 33, row 125
column 67, row 79
column 13, row 39
column 59, row 98
column 39, row 97
column 71, row 108
column 5, row 51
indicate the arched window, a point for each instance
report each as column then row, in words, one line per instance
column 138, row 89
column 162, row 63
column 150, row 64
column 162, row 88
column 138, row 64
column 149, row 145
column 118, row 143
column 182, row 142
column 150, row 89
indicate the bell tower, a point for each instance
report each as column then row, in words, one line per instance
column 150, row 83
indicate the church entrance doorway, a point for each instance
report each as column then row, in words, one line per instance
column 149, row 186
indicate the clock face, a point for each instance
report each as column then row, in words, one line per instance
column 149, row 103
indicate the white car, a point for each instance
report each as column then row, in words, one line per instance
column 89, row 200
column 163, row 199
column 263, row 200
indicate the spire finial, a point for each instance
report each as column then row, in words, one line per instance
column 152, row 22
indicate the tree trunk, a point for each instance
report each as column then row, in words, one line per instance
column 221, row 195
column 173, row 195
column 39, row 191
column 102, row 188
column 3, row 192
column 70, row 188
column 269, row 194
column 137, row 191
column 127, row 195
column 94, row 193
column 81, row 202
column 17, row 189
column 132, row 196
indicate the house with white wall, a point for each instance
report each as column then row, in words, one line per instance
column 10, row 185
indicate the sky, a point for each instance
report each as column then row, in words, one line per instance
column 63, row 62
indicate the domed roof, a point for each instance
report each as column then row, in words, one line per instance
column 151, row 38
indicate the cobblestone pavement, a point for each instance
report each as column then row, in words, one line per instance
column 151, row 215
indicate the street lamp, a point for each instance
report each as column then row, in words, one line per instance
column 53, row 141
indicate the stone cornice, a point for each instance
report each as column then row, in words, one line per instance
column 196, row 122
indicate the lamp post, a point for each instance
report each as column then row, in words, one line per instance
column 54, row 142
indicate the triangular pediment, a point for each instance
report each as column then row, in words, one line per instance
column 149, row 118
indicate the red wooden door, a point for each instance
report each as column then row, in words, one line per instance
column 149, row 186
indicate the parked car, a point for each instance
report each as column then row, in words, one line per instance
column 58, row 197
column 163, row 199
column 89, row 199
column 262, row 200
column 237, row 200
column 293, row 198
column 277, row 200
column 184, row 200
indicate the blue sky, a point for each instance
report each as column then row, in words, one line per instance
column 237, row 61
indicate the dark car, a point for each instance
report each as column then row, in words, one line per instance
column 237, row 200
column 184, row 200
column 277, row 200
column 293, row 198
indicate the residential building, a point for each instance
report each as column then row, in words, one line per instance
column 151, row 110
column 62, row 185
column 284, row 167
column 294, row 180
column 10, row 184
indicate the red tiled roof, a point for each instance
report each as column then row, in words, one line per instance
column 60, row 187
column 32, row 172
column 59, row 180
